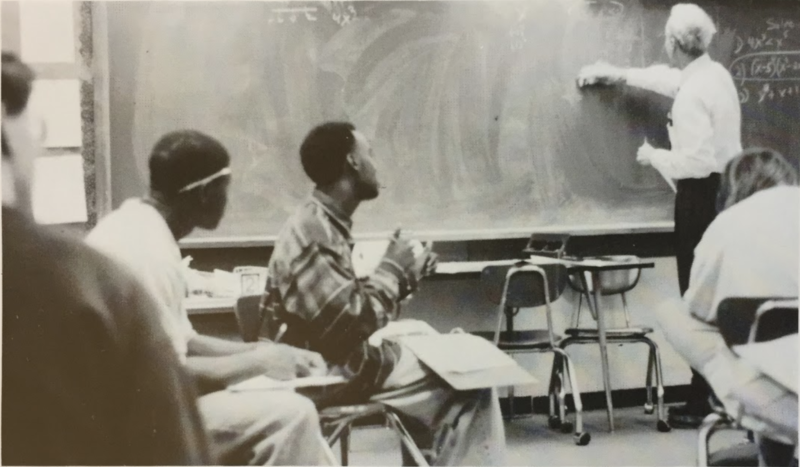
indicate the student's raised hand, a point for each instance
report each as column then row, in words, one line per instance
column 426, row 263
column 600, row 73
column 401, row 252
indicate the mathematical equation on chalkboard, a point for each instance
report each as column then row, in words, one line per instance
column 341, row 12
column 766, row 64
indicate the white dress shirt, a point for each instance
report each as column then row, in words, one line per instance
column 750, row 250
column 137, row 236
column 706, row 119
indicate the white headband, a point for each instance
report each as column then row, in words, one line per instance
column 214, row 176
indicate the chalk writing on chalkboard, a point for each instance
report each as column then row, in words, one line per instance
column 517, row 33
column 767, row 66
column 341, row 12
column 600, row 8
column 772, row 92
column 774, row 37
column 293, row 14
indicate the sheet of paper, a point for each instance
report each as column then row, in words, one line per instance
column 776, row 359
column 225, row 284
column 47, row 31
column 403, row 327
column 58, row 190
column 457, row 353
column 265, row 383
column 57, row 102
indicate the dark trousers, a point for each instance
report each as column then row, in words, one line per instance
column 776, row 454
column 695, row 209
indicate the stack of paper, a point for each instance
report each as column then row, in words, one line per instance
column 458, row 353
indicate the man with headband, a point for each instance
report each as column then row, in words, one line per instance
column 189, row 178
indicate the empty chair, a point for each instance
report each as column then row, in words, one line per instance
column 619, row 283
column 527, row 286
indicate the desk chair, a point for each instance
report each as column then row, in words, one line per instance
column 741, row 321
column 618, row 283
column 529, row 286
column 337, row 421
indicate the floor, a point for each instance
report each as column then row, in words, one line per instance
column 634, row 443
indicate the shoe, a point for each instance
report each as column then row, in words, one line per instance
column 687, row 416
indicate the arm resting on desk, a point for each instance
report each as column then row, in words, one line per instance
column 275, row 361
column 207, row 346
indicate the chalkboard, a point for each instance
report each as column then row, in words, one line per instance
column 476, row 122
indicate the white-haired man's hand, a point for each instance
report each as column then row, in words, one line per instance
column 600, row 73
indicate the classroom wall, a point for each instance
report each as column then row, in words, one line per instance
column 53, row 39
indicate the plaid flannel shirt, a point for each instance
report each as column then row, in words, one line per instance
column 331, row 310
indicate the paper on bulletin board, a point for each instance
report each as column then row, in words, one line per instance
column 58, row 103
column 47, row 31
column 58, row 190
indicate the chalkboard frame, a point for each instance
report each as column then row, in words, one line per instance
column 450, row 235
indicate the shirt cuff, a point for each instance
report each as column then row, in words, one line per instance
column 395, row 278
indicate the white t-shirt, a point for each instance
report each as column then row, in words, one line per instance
column 138, row 236
column 750, row 250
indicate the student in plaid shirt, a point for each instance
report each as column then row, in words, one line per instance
column 331, row 311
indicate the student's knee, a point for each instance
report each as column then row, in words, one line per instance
column 298, row 412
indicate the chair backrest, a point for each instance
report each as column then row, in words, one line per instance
column 249, row 316
column 774, row 319
column 550, row 245
column 737, row 315
column 525, row 287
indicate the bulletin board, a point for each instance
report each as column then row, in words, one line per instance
column 55, row 39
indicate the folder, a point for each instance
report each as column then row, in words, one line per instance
column 466, row 361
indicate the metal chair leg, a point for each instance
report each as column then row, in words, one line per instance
column 580, row 437
column 659, row 383
column 651, row 361
column 662, row 424
column 555, row 377
column 577, row 321
column 706, row 430
column 406, row 439
column 511, row 402
column 344, row 445
column 625, row 310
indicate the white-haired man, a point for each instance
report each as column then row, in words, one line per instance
column 704, row 132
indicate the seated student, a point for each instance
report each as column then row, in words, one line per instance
column 88, row 375
column 750, row 250
column 189, row 179
column 334, row 312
